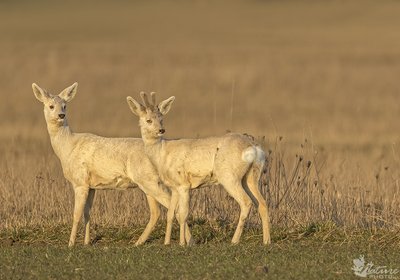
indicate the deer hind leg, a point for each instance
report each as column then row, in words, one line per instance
column 170, row 216
column 235, row 189
column 154, row 215
column 81, row 195
column 86, row 215
column 253, row 181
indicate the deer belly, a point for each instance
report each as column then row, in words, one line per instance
column 101, row 183
column 181, row 178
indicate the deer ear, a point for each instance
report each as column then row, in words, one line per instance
column 69, row 93
column 165, row 105
column 136, row 108
column 40, row 94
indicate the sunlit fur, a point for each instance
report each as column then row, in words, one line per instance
column 235, row 161
column 91, row 162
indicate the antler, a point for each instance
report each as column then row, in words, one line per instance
column 150, row 105
column 153, row 98
column 146, row 102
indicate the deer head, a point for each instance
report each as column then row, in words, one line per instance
column 55, row 105
column 150, row 115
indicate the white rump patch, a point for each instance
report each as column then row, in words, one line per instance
column 260, row 154
column 249, row 155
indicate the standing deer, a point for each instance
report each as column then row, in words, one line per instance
column 233, row 160
column 91, row 162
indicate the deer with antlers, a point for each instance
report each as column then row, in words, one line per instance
column 235, row 161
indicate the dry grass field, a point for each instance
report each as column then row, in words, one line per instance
column 317, row 82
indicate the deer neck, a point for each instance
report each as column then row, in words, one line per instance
column 153, row 148
column 60, row 137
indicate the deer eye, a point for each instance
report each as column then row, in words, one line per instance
column 51, row 107
column 149, row 121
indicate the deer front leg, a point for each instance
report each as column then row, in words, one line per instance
column 170, row 216
column 188, row 236
column 81, row 194
column 86, row 215
column 183, row 208
column 154, row 215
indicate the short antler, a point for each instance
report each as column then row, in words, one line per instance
column 153, row 98
column 146, row 102
column 150, row 105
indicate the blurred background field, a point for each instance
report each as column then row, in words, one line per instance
column 315, row 81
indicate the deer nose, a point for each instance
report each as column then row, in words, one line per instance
column 61, row 116
column 162, row 131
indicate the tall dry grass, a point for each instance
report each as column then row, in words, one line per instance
column 315, row 82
